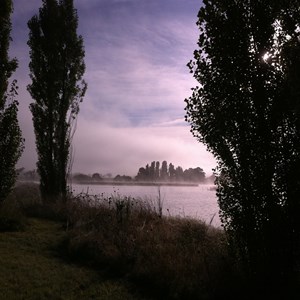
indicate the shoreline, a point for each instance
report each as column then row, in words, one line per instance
column 136, row 183
column 128, row 183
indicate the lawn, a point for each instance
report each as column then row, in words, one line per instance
column 32, row 266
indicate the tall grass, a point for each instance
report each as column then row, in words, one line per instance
column 12, row 216
column 168, row 257
column 179, row 258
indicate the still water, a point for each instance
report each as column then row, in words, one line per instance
column 193, row 201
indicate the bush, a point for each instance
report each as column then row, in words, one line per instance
column 28, row 198
column 11, row 216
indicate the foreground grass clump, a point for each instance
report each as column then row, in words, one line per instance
column 179, row 258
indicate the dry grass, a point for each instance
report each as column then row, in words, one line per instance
column 166, row 257
column 181, row 258
column 31, row 268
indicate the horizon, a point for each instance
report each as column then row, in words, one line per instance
column 110, row 175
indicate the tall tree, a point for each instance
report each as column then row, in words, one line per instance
column 157, row 169
column 172, row 172
column 246, row 110
column 179, row 173
column 152, row 171
column 164, row 175
column 11, row 142
column 56, row 70
column 142, row 174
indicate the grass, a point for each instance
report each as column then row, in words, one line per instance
column 179, row 258
column 31, row 267
column 111, row 248
column 33, row 260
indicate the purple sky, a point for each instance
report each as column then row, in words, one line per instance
column 133, row 111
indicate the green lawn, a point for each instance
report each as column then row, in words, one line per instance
column 32, row 267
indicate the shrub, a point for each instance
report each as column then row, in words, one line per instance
column 11, row 216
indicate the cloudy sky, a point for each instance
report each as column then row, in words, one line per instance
column 133, row 111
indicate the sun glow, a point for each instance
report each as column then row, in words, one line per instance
column 266, row 56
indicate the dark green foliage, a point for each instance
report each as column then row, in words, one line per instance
column 56, row 71
column 246, row 110
column 11, row 142
column 7, row 66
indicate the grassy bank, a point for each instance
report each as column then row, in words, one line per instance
column 33, row 266
column 102, row 246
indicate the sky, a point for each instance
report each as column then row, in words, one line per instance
column 136, row 53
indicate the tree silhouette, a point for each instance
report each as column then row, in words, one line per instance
column 153, row 173
column 56, row 71
column 164, row 171
column 246, row 110
column 157, row 170
column 179, row 173
column 172, row 172
column 11, row 142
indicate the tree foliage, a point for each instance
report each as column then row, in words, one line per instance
column 246, row 110
column 165, row 173
column 56, row 71
column 11, row 142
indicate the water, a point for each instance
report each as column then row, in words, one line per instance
column 197, row 202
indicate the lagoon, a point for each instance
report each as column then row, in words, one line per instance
column 198, row 202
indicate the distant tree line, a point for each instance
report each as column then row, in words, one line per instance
column 80, row 177
column 155, row 171
column 167, row 172
column 30, row 175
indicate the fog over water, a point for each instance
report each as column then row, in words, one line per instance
column 198, row 202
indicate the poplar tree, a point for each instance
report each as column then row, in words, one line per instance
column 11, row 142
column 246, row 110
column 56, row 70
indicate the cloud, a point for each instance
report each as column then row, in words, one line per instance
column 178, row 122
column 141, row 71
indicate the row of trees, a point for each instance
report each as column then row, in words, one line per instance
column 56, row 71
column 96, row 177
column 167, row 172
column 246, row 109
